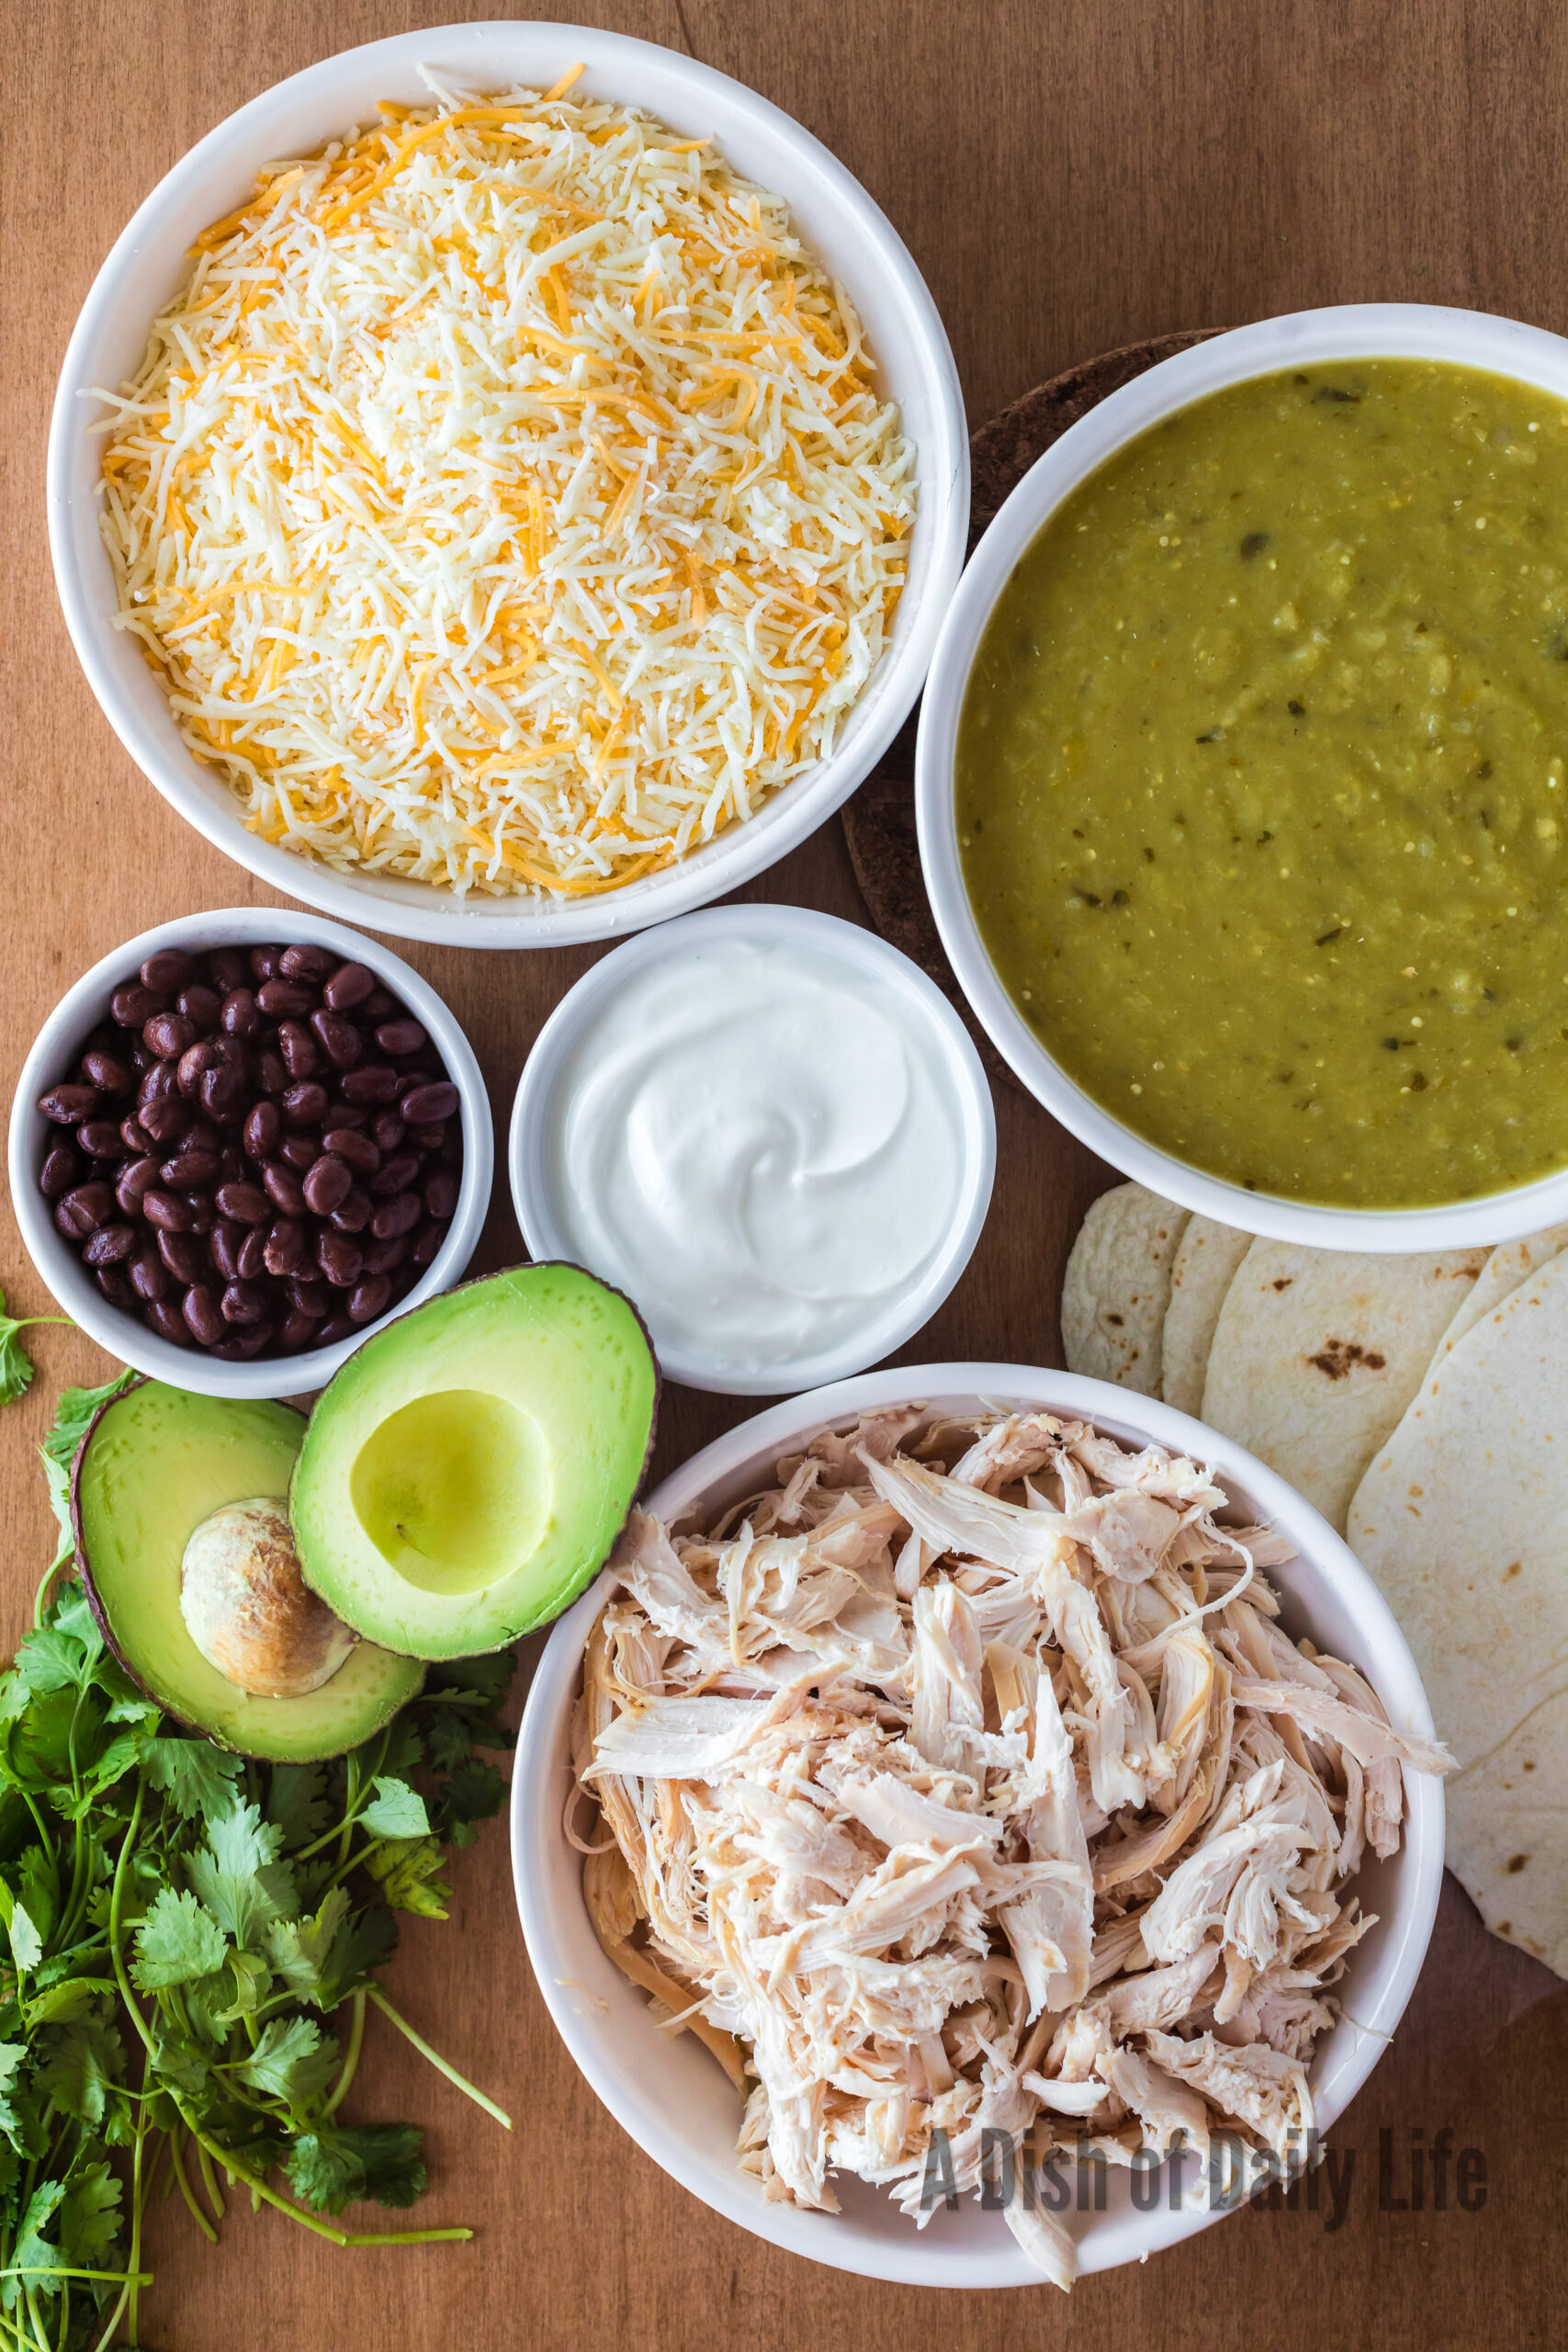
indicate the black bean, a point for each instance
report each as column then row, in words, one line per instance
column 278, row 998
column 149, row 1275
column 263, row 1127
column 296, row 1331
column 168, row 1212
column 272, row 1072
column 355, row 1148
column 422, row 1106
column 264, row 962
column 168, row 971
column 195, row 1063
column 380, row 1005
column 222, row 1094
column 348, row 1114
column 133, row 1004
column 252, row 1259
column 84, row 1209
column 69, row 1106
column 204, row 1318
column 426, row 1243
column 386, row 1131
column 136, row 1054
column 115, row 1284
column 106, row 1071
column 238, row 1017
column 241, row 1344
column 305, row 1104
column 339, row 1258
column 61, row 1169
column 99, row 1138
column 233, row 1052
column 299, row 1149
column 327, row 1181
column 353, row 1212
column 162, row 1316
column 134, row 1182
column 168, row 1034
column 337, row 1326
column 440, row 1194
column 202, row 1211
column 301, row 1058
column 183, row 1255
column 245, row 1202
column 308, row 1297
column 400, row 1214
column 307, row 963
column 230, row 968
column 284, row 1251
column 109, row 1245
column 201, row 1005
column 368, row 1298
column 284, row 1188
column 200, row 1136
column 339, row 1039
column 245, row 1302
column 233, row 1168
column 191, row 1172
column 349, row 986
column 383, row 1257
column 134, row 1135
column 396, row 1037
column 369, row 1083
column 164, row 1120
column 394, row 1175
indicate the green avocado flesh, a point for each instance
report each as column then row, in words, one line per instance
column 154, row 1465
column 469, row 1469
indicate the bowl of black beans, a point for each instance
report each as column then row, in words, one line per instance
column 243, row 1140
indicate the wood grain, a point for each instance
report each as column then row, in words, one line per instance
column 1071, row 177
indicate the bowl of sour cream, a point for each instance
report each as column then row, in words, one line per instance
column 771, row 1131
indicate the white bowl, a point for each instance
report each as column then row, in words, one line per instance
column 669, row 2094
column 1362, row 329
column 57, row 1047
column 837, row 220
column 541, row 1107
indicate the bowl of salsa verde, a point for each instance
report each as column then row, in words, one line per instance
column 1243, row 778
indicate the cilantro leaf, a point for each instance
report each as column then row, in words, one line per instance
column 73, row 1418
column 396, row 1811
column 89, row 2218
column 237, row 1874
column 84, row 2064
column 487, row 1678
column 27, row 1944
column 294, row 2060
column 12, row 2054
column 333, row 2166
column 15, row 1365
column 408, row 1871
column 176, row 1942
column 297, row 1804
column 473, row 1792
column 196, row 1777
column 33, row 2251
column 324, row 1958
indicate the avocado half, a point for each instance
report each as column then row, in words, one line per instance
column 468, row 1470
column 154, row 1465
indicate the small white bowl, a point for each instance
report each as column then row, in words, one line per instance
column 836, row 218
column 58, row 1044
column 669, row 2094
column 541, row 1105
column 1362, row 329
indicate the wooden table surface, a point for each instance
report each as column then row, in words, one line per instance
column 1070, row 175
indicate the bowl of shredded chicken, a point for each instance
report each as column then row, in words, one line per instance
column 508, row 497
column 949, row 1766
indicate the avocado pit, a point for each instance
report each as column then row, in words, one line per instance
column 248, row 1608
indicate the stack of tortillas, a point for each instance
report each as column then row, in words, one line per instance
column 1421, row 1403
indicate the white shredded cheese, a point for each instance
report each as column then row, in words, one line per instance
column 505, row 499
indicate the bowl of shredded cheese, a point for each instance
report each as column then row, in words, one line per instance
column 505, row 484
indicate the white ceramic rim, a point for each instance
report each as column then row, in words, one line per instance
column 1378, row 1991
column 1361, row 330
column 867, row 256
column 532, row 1111
column 58, row 1042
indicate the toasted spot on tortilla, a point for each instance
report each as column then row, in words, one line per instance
column 1516, row 1862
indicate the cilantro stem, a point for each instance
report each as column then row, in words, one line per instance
column 210, row 2182
column 351, row 2058
column 61, row 2271
column 258, row 2187
column 198, row 2216
column 115, row 2316
column 437, row 2061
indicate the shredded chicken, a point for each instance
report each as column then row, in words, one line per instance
column 990, row 1798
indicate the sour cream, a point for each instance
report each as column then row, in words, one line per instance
column 769, row 1131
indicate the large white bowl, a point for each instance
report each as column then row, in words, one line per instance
column 1362, row 329
column 57, row 1047
column 837, row 220
column 668, row 2093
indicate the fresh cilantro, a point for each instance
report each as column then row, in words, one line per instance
column 195, row 1776
column 396, row 1811
column 473, row 1792
column 15, row 1365
column 237, row 1874
column 74, row 1415
column 296, row 1802
column 332, row 2167
column 409, row 1872
column 176, row 1942
column 294, row 2060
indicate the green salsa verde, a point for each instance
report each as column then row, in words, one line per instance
column 1261, row 790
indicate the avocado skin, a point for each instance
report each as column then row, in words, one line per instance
column 398, row 1688
column 475, row 1638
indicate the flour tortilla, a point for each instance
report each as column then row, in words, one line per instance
column 1463, row 1520
column 1507, row 1266
column 1317, row 1353
column 1118, row 1287
column 1206, row 1261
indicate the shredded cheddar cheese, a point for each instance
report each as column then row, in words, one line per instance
column 504, row 499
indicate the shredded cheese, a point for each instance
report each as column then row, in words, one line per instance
column 504, row 499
